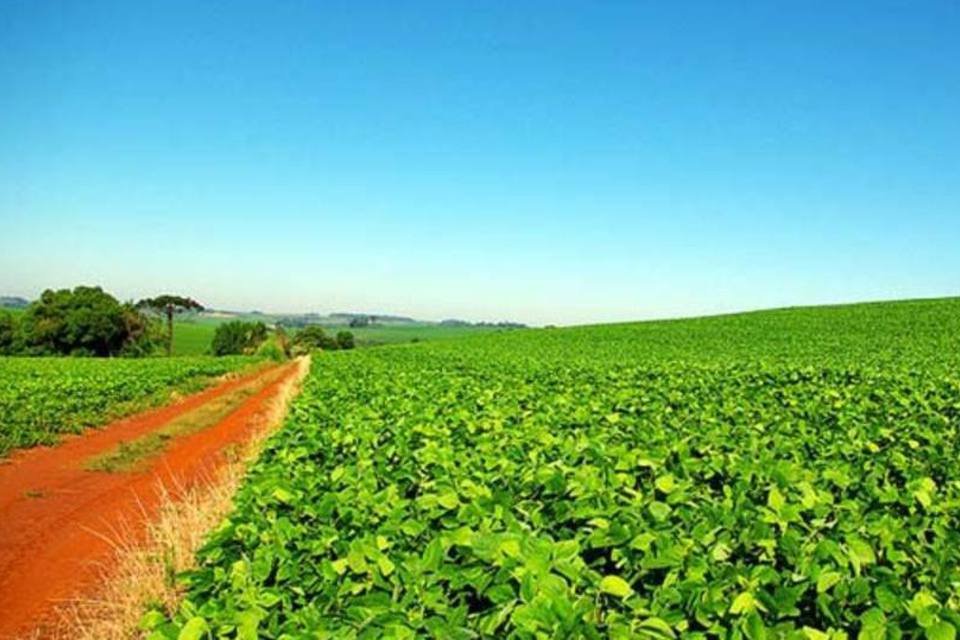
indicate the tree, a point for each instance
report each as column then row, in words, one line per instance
column 345, row 340
column 362, row 321
column 170, row 305
column 238, row 337
column 313, row 337
column 10, row 339
column 85, row 321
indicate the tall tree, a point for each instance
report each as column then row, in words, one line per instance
column 170, row 305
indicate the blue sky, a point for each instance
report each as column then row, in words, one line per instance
column 554, row 161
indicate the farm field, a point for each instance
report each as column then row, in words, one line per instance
column 790, row 473
column 193, row 337
column 42, row 398
column 394, row 334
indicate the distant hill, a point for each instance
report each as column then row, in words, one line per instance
column 13, row 302
column 346, row 319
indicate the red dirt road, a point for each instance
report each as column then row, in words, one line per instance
column 57, row 519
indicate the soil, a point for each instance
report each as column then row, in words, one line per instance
column 58, row 519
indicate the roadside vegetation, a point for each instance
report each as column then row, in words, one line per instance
column 790, row 473
column 143, row 568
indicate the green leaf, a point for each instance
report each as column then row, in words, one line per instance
column 659, row 510
column 743, row 603
column 873, row 625
column 433, row 555
column 666, row 483
column 826, row 580
column 720, row 552
column 195, row 629
column 386, row 565
column 861, row 551
column 775, row 499
column 942, row 630
column 510, row 547
column 340, row 566
column 925, row 491
column 657, row 628
column 754, row 627
column 248, row 624
column 282, row 495
column 151, row 620
column 615, row 586
column 643, row 541
column 450, row 500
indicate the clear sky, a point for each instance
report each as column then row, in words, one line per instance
column 547, row 161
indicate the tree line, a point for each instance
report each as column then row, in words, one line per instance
column 84, row 321
column 88, row 321
column 243, row 337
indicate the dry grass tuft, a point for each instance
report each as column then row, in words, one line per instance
column 143, row 571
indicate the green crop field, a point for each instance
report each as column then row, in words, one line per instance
column 393, row 334
column 790, row 473
column 42, row 398
column 193, row 338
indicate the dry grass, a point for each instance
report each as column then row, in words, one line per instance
column 142, row 572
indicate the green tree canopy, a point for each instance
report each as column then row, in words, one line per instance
column 10, row 337
column 313, row 337
column 345, row 340
column 83, row 321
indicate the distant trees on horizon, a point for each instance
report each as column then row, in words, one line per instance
column 313, row 337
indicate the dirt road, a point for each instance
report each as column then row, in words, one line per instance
column 58, row 518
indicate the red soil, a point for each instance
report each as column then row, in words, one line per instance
column 57, row 519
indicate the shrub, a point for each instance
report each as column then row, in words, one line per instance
column 238, row 337
column 345, row 340
column 271, row 350
column 313, row 337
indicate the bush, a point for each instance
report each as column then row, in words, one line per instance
column 238, row 337
column 345, row 340
column 283, row 340
column 312, row 337
column 271, row 350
